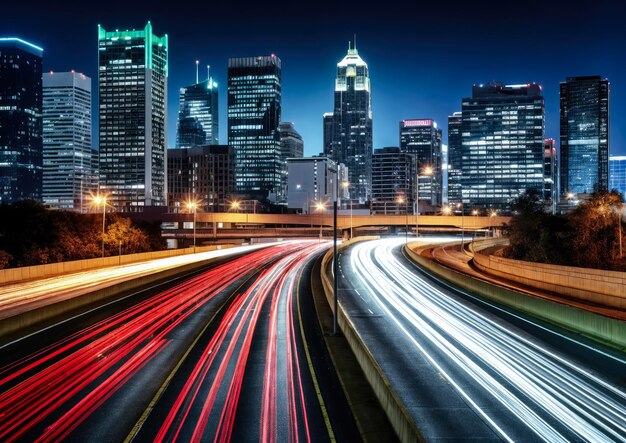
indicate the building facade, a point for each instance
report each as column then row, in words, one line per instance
column 393, row 181
column 328, row 133
column 198, row 116
column 352, row 124
column 617, row 174
column 202, row 174
column 502, row 133
column 21, row 142
column 68, row 175
column 254, row 111
column 291, row 142
column 455, row 157
column 132, row 93
column 422, row 139
column 550, row 174
column 312, row 180
column 584, row 121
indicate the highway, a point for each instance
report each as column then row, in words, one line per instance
column 219, row 356
column 466, row 369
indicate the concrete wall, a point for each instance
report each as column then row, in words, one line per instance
column 399, row 417
column 598, row 327
column 605, row 288
column 40, row 271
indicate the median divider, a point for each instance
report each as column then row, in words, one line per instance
column 398, row 416
column 18, row 325
column 597, row 327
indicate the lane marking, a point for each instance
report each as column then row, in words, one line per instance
column 329, row 428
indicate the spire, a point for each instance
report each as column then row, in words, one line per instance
column 197, row 63
column 355, row 41
column 208, row 73
column 349, row 45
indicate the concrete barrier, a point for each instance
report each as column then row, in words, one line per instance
column 597, row 327
column 399, row 417
column 13, row 275
column 12, row 327
column 604, row 288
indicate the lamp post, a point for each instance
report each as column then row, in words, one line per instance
column 460, row 204
column 491, row 215
column 428, row 171
column 401, row 200
column 193, row 206
column 475, row 214
column 102, row 200
column 320, row 206
column 346, row 185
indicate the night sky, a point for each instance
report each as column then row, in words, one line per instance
column 423, row 56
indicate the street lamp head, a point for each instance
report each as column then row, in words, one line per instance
column 493, row 213
column 400, row 200
column 234, row 204
column 447, row 210
column 570, row 195
column 475, row 212
column 320, row 206
column 345, row 184
column 99, row 200
column 428, row 170
column 298, row 186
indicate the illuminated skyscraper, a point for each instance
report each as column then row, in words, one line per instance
column 20, row 121
column 502, row 134
column 328, row 133
column 454, row 158
column 352, row 123
column 198, row 115
column 584, row 154
column 68, row 176
column 254, row 110
column 393, row 181
column 550, row 174
column 132, row 77
column 617, row 174
column 422, row 138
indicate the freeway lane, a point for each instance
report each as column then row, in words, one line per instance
column 466, row 371
column 102, row 382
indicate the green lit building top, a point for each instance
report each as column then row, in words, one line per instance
column 132, row 91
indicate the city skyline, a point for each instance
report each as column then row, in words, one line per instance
column 416, row 73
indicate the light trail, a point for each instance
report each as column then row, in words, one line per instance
column 535, row 383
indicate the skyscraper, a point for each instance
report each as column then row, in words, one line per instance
column 68, row 176
column 502, row 134
column 393, row 181
column 422, row 138
column 292, row 145
column 20, row 121
column 617, row 174
column 132, row 77
column 454, row 158
column 550, row 174
column 584, row 135
column 254, row 110
column 328, row 133
column 352, row 123
column 198, row 117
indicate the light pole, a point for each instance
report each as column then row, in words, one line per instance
column 491, row 215
column 193, row 206
column 475, row 214
column 401, row 200
column 427, row 173
column 346, row 185
column 102, row 200
column 320, row 206
column 460, row 204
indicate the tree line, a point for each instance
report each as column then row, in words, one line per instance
column 587, row 236
column 30, row 235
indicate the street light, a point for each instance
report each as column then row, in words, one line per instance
column 97, row 201
column 193, row 206
column 427, row 172
column 460, row 204
column 491, row 215
column 320, row 206
column 235, row 204
column 401, row 200
column 475, row 214
column 346, row 185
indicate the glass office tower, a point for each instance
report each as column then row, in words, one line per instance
column 254, row 110
column 422, row 138
column 502, row 133
column 198, row 117
column 352, row 124
column 20, row 121
column 617, row 174
column 393, row 181
column 132, row 77
column 454, row 158
column 584, row 135
column 68, row 176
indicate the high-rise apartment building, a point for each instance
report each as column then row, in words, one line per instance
column 254, row 110
column 584, row 150
column 617, row 174
column 132, row 92
column 393, row 181
column 20, row 121
column 202, row 174
column 455, row 157
column 502, row 133
column 352, row 123
column 198, row 117
column 422, row 138
column 68, row 175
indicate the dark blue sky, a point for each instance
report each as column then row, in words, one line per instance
column 423, row 56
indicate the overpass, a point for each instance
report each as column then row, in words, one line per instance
column 216, row 226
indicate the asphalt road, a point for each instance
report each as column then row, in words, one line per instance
column 219, row 356
column 469, row 370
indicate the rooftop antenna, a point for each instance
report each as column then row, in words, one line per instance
column 355, row 41
column 197, row 63
column 349, row 45
column 208, row 73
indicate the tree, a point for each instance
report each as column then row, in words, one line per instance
column 5, row 259
column 122, row 231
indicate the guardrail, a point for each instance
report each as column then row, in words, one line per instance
column 399, row 417
column 13, row 275
column 605, row 288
